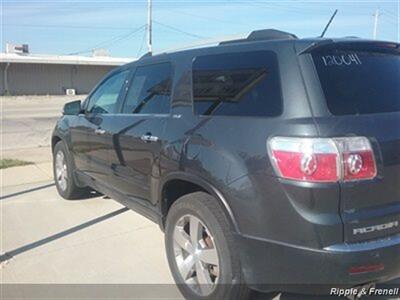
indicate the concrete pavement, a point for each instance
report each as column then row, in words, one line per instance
column 47, row 239
column 25, row 175
column 26, row 125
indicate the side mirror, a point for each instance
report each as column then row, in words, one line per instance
column 72, row 108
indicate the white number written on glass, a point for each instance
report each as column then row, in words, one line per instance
column 341, row 60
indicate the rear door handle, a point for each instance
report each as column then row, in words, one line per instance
column 99, row 131
column 149, row 138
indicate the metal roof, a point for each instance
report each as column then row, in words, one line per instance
column 64, row 59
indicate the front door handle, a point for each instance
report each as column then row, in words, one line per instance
column 99, row 131
column 149, row 138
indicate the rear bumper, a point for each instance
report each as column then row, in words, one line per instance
column 269, row 265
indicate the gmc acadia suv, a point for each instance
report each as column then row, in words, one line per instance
column 270, row 162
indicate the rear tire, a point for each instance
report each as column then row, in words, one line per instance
column 197, row 222
column 63, row 171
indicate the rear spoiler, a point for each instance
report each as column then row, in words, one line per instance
column 387, row 47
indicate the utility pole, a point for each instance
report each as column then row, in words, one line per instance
column 148, row 27
column 376, row 18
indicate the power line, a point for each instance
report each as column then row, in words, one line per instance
column 52, row 26
column 201, row 17
column 101, row 44
column 179, row 30
column 390, row 13
column 390, row 17
column 110, row 42
column 389, row 21
column 282, row 8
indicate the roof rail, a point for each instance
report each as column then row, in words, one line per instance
column 262, row 35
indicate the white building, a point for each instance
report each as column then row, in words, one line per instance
column 28, row 74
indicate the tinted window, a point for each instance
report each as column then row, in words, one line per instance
column 237, row 84
column 150, row 90
column 356, row 82
column 104, row 99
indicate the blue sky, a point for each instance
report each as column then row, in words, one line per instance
column 65, row 27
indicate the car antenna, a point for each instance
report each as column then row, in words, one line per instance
column 329, row 23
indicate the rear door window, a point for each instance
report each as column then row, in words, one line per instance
column 237, row 84
column 150, row 90
column 359, row 82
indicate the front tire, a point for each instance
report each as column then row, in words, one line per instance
column 63, row 172
column 201, row 251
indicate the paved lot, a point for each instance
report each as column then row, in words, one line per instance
column 51, row 240
column 26, row 125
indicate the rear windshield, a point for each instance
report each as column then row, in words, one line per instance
column 357, row 82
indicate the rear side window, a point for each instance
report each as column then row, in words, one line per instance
column 150, row 90
column 237, row 84
column 356, row 82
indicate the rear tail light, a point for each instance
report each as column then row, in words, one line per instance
column 322, row 159
column 358, row 158
column 305, row 159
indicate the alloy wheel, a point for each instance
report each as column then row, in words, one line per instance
column 61, row 171
column 196, row 255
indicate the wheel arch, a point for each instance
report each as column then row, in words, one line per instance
column 58, row 137
column 54, row 140
column 193, row 183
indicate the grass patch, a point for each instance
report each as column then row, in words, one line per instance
column 8, row 163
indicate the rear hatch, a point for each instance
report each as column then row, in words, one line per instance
column 361, row 85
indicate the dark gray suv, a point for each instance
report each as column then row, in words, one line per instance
column 272, row 163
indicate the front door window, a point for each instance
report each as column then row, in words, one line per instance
column 105, row 98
